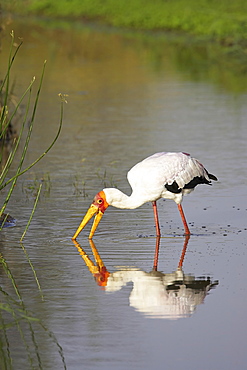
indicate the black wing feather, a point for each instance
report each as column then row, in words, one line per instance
column 173, row 188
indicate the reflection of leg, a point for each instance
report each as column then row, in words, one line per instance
column 156, row 219
column 156, row 254
column 186, row 228
column 186, row 241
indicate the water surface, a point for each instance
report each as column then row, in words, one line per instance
column 129, row 96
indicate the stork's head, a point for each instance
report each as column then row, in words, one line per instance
column 97, row 208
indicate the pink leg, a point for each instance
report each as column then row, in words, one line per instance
column 156, row 219
column 186, row 228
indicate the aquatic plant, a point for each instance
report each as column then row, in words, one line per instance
column 6, row 119
column 30, row 187
column 107, row 180
column 79, row 187
column 17, row 323
column 16, row 318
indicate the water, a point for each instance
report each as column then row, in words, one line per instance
column 129, row 96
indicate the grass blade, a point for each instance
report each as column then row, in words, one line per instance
column 47, row 150
column 32, row 213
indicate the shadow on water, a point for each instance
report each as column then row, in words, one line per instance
column 155, row 294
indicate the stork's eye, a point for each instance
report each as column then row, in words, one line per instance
column 99, row 201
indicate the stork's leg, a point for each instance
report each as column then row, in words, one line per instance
column 186, row 228
column 156, row 219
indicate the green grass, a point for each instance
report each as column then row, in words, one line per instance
column 224, row 20
column 7, row 163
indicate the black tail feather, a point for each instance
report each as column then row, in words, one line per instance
column 212, row 177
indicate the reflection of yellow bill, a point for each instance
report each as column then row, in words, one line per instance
column 97, row 269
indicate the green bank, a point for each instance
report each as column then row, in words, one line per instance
column 221, row 20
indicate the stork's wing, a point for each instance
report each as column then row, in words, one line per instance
column 163, row 168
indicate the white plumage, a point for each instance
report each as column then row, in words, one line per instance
column 149, row 177
column 162, row 175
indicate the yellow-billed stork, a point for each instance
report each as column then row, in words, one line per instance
column 162, row 175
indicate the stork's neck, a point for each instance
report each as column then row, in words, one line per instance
column 118, row 199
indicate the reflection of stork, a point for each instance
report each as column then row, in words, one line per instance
column 162, row 175
column 157, row 247
column 155, row 294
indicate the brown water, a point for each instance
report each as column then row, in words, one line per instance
column 130, row 95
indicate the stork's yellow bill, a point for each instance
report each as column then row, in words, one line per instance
column 97, row 208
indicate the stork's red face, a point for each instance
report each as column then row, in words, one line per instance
column 97, row 208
